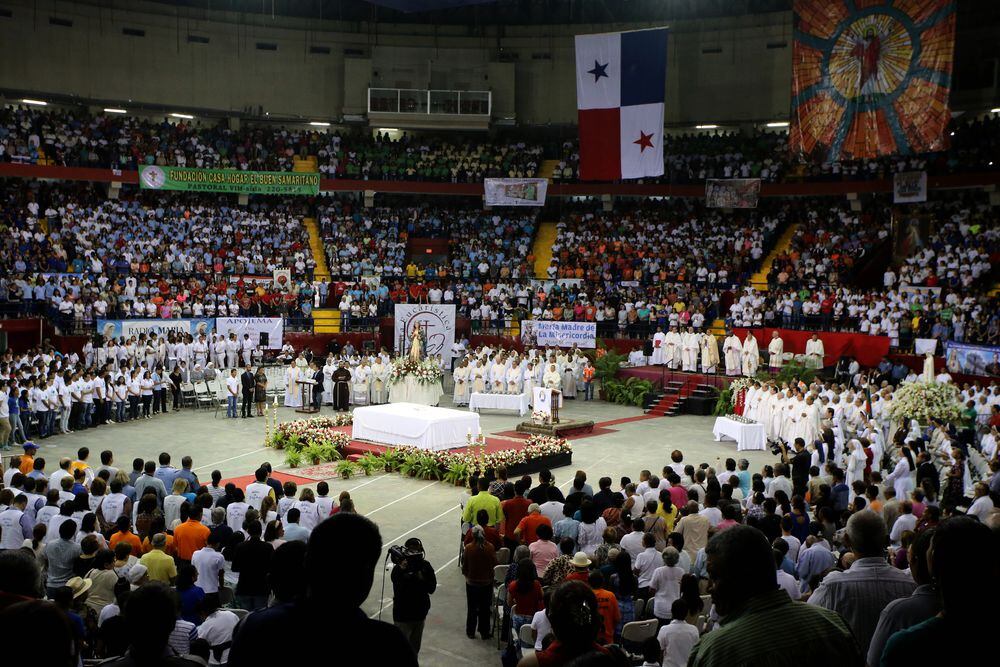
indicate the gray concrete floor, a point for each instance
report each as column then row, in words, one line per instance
column 405, row 507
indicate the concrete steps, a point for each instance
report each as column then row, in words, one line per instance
column 305, row 165
column 547, row 168
column 759, row 279
column 326, row 320
column 542, row 248
column 316, row 245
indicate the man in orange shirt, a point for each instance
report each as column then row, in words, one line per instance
column 124, row 534
column 191, row 535
column 28, row 458
column 588, row 382
column 526, row 531
column 607, row 604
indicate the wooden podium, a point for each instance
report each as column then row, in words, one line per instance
column 306, row 388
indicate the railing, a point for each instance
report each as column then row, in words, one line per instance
column 441, row 102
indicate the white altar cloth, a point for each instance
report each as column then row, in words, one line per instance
column 747, row 436
column 411, row 424
column 411, row 391
column 514, row 402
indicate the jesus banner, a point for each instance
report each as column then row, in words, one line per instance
column 871, row 78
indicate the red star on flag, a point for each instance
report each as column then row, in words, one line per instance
column 644, row 141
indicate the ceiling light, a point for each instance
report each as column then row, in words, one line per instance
column 113, row 110
column 37, row 102
column 778, row 123
column 387, row 129
column 319, row 123
column 995, row 110
column 182, row 115
column 705, row 127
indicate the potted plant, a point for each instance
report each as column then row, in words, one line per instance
column 369, row 463
column 606, row 367
column 391, row 460
column 313, row 453
column 428, row 467
column 408, row 466
column 293, row 458
column 346, row 469
column 457, row 472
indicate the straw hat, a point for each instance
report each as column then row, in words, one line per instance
column 79, row 585
column 580, row 560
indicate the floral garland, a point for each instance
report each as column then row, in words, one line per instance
column 537, row 446
column 736, row 386
column 320, row 431
column 425, row 372
column 924, row 401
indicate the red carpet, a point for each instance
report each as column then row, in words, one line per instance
column 623, row 420
column 242, row 482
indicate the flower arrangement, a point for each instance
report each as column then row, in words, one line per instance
column 541, row 418
column 313, row 440
column 924, row 401
column 426, row 371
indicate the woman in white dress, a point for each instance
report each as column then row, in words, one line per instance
column 901, row 477
column 461, row 377
column 293, row 398
column 856, row 461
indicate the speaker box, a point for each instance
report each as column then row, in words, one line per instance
column 699, row 405
column 647, row 348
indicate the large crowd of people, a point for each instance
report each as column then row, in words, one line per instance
column 75, row 138
column 691, row 158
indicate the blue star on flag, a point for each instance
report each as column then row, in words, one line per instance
column 599, row 71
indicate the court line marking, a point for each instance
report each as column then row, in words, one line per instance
column 232, row 458
column 412, row 493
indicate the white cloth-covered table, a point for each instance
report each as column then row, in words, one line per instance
column 747, row 436
column 422, row 426
column 411, row 391
column 514, row 402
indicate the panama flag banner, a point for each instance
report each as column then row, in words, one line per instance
column 620, row 88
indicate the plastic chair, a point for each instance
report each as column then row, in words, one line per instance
column 636, row 632
column 503, row 556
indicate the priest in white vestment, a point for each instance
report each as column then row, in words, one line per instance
column 552, row 379
column 461, row 377
column 709, row 353
column 672, row 349
column 689, row 350
column 293, row 397
column 775, row 352
column 659, row 338
column 815, row 353
column 751, row 355
column 732, row 350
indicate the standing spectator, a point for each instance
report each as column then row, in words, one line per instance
column 860, row 593
column 477, row 566
column 413, row 583
column 334, row 582
column 61, row 555
column 252, row 560
column 740, row 567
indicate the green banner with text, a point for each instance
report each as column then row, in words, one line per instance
column 154, row 177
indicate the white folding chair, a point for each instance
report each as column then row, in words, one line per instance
column 188, row 394
column 636, row 632
column 527, row 637
column 204, row 398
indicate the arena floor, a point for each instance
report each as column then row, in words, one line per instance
column 405, row 507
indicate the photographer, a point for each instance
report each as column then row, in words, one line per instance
column 413, row 582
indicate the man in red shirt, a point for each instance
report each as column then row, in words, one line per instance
column 526, row 531
column 514, row 509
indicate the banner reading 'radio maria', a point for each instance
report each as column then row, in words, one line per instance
column 154, row 177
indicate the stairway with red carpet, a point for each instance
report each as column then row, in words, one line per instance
column 670, row 401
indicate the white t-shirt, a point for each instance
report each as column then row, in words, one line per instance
column 218, row 629
column 209, row 564
column 540, row 624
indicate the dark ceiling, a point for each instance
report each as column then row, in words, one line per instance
column 487, row 12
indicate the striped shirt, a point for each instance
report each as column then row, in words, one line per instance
column 752, row 636
column 860, row 593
